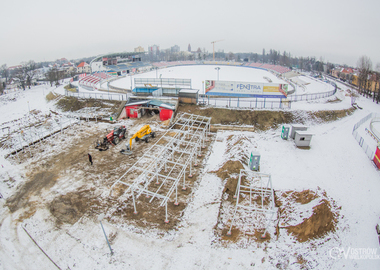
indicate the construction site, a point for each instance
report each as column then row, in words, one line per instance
column 168, row 193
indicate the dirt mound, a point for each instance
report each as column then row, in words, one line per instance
column 74, row 104
column 328, row 116
column 318, row 224
column 230, row 187
column 230, row 167
column 262, row 120
column 304, row 196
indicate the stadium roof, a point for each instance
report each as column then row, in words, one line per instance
column 111, row 55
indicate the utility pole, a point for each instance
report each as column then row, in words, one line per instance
column 218, row 68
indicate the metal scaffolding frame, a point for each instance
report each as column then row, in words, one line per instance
column 20, row 134
column 162, row 168
column 254, row 200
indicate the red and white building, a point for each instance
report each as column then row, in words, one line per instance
column 83, row 68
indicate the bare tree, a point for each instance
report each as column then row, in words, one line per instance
column 20, row 75
column 25, row 73
column 364, row 66
column 30, row 70
column 53, row 76
column 376, row 91
column 4, row 72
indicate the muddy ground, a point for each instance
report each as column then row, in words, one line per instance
column 61, row 179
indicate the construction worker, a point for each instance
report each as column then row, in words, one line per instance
column 90, row 158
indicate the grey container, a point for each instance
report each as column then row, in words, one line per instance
column 296, row 127
column 254, row 161
column 302, row 138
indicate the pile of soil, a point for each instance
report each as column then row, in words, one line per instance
column 262, row 120
column 318, row 224
column 75, row 104
column 230, row 167
column 305, row 196
column 302, row 197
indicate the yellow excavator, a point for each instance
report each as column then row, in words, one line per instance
column 143, row 134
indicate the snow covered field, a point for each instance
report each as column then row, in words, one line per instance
column 200, row 73
column 334, row 164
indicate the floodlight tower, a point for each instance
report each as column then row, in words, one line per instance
column 213, row 48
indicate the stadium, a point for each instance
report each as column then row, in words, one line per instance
column 218, row 83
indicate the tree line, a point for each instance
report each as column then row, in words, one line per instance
column 368, row 80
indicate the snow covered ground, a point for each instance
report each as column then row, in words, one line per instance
column 200, row 73
column 335, row 163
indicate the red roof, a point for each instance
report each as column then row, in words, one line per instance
column 347, row 70
column 83, row 64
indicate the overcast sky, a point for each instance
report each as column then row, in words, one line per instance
column 339, row 31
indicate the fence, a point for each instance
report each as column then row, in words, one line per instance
column 369, row 152
column 262, row 103
column 105, row 96
column 258, row 103
column 312, row 96
column 373, row 130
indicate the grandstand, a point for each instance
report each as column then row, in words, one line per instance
column 90, row 82
column 275, row 68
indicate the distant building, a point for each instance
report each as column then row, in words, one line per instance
column 139, row 49
column 175, row 49
column 154, row 50
column 83, row 68
column 189, row 48
column 15, row 67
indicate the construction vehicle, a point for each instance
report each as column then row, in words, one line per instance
column 143, row 134
column 113, row 138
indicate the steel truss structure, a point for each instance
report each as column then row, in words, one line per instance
column 163, row 168
column 254, row 201
column 20, row 134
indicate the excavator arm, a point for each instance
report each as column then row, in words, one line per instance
column 145, row 130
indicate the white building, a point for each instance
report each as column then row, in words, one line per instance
column 83, row 68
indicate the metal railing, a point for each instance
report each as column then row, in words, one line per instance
column 375, row 132
column 253, row 103
column 314, row 96
column 363, row 144
column 262, row 103
column 104, row 96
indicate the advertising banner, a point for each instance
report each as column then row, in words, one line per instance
column 245, row 89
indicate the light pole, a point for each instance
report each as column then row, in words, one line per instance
column 131, row 82
column 218, row 68
column 100, row 217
